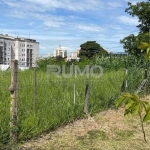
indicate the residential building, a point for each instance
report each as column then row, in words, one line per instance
column 78, row 52
column 60, row 52
column 74, row 56
column 22, row 49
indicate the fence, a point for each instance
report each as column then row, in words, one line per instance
column 45, row 103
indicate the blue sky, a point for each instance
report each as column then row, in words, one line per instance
column 68, row 23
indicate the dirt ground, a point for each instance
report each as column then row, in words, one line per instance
column 107, row 130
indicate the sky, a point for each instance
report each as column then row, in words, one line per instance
column 68, row 23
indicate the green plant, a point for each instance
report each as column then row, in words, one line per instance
column 135, row 106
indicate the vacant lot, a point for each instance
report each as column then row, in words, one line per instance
column 107, row 130
column 58, row 101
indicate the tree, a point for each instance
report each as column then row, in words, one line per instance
column 130, row 45
column 142, row 11
column 59, row 58
column 90, row 49
column 131, row 42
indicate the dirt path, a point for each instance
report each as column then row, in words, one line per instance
column 107, row 130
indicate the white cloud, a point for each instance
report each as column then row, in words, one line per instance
column 22, row 5
column 31, row 23
column 50, row 20
column 114, row 4
column 47, row 5
column 89, row 28
column 18, row 14
column 115, row 27
column 45, row 19
column 128, row 20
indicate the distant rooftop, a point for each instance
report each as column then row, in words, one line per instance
column 6, row 36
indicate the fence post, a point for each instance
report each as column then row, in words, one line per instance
column 145, row 74
column 87, row 95
column 125, row 83
column 13, row 107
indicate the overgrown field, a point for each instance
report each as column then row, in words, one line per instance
column 58, row 101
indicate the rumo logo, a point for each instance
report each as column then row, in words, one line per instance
column 75, row 71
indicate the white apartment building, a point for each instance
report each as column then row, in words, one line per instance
column 74, row 56
column 22, row 49
column 60, row 52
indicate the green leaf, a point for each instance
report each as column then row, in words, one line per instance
column 135, row 97
column 120, row 101
column 147, row 115
column 143, row 45
column 128, row 95
column 131, row 96
column 129, row 104
column 127, row 111
column 136, row 109
column 146, row 105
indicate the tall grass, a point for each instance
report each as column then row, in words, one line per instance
column 54, row 101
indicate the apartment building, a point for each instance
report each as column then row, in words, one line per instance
column 60, row 52
column 74, row 56
column 22, row 49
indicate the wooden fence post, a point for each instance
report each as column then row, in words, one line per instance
column 13, row 107
column 125, row 83
column 145, row 74
column 87, row 95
